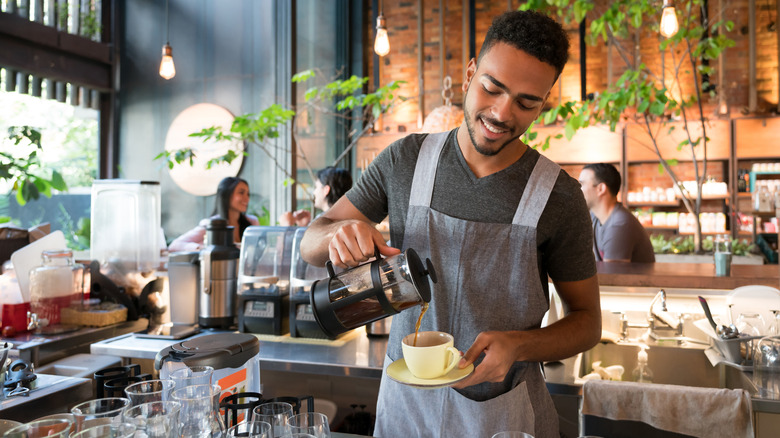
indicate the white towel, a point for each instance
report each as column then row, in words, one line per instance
column 699, row 412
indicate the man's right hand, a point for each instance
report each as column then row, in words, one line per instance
column 354, row 242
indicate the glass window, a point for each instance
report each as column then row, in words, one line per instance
column 69, row 145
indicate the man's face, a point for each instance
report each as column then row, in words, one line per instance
column 504, row 95
column 589, row 187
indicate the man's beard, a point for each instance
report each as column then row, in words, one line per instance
column 470, row 120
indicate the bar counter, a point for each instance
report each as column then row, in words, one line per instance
column 685, row 275
column 355, row 354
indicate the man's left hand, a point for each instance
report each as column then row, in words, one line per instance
column 501, row 351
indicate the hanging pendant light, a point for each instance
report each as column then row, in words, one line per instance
column 382, row 42
column 669, row 25
column 167, row 69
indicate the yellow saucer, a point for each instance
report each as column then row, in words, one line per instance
column 399, row 372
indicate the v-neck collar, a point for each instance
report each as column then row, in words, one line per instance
column 487, row 178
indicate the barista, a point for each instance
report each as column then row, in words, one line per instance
column 231, row 204
column 496, row 218
column 331, row 184
column 617, row 234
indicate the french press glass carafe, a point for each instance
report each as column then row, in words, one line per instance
column 371, row 291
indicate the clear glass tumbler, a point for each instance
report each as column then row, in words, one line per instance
column 313, row 423
column 100, row 411
column 250, row 429
column 121, row 430
column 199, row 415
column 158, row 419
column 150, row 391
column 191, row 376
column 59, row 428
column 278, row 414
column 766, row 367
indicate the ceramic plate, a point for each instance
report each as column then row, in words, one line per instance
column 401, row 374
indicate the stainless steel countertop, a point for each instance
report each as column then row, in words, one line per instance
column 355, row 354
column 38, row 349
column 53, row 394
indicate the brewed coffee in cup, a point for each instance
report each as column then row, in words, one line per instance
column 433, row 356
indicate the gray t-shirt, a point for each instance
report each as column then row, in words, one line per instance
column 564, row 236
column 621, row 237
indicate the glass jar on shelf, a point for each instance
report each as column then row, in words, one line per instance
column 56, row 284
column 763, row 200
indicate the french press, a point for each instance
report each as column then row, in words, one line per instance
column 370, row 291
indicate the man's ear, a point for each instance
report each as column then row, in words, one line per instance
column 326, row 190
column 601, row 189
column 471, row 68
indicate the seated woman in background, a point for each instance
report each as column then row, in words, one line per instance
column 331, row 184
column 232, row 203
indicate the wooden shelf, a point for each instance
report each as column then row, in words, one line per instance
column 661, row 227
column 654, row 204
column 712, row 197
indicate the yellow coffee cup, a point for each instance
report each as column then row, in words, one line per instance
column 434, row 354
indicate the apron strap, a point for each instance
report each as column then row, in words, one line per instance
column 425, row 169
column 537, row 192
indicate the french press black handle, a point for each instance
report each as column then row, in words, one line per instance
column 332, row 273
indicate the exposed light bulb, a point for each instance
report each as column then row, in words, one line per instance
column 669, row 24
column 167, row 69
column 382, row 42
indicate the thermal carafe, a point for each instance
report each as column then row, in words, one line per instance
column 218, row 277
column 371, row 291
column 184, row 286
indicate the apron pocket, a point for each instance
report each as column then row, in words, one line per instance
column 509, row 411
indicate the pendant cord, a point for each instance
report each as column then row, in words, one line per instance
column 167, row 26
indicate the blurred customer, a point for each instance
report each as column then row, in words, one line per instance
column 331, row 184
column 231, row 205
column 617, row 234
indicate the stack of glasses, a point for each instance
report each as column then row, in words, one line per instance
column 185, row 406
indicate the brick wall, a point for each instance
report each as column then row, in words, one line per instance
column 402, row 62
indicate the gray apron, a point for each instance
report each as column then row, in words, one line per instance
column 488, row 280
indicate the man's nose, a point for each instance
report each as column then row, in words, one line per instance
column 502, row 109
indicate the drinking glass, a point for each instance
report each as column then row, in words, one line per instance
column 58, row 427
column 150, row 391
column 774, row 326
column 750, row 323
column 159, row 419
column 512, row 434
column 200, row 411
column 191, row 376
column 250, row 429
column 121, row 430
column 277, row 414
column 313, row 423
column 99, row 411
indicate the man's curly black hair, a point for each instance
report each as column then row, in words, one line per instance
column 532, row 32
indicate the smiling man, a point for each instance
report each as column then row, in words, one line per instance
column 497, row 219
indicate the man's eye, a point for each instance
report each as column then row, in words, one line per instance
column 490, row 92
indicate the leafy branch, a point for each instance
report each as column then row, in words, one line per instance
column 337, row 98
column 24, row 169
column 640, row 95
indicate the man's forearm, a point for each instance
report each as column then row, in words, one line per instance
column 314, row 245
column 576, row 332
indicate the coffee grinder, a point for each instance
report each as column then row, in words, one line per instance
column 302, row 275
column 218, row 282
column 264, row 280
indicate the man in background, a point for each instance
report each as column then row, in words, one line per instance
column 617, row 234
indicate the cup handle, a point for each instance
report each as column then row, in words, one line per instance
column 453, row 361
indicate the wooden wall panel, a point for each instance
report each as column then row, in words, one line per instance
column 594, row 144
column 758, row 138
column 639, row 145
